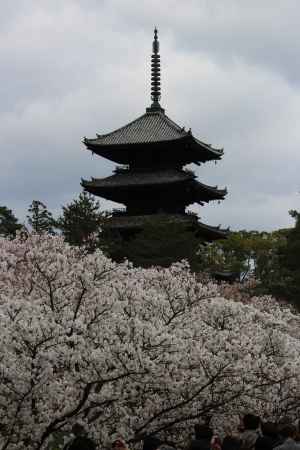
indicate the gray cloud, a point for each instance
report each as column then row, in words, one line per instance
column 230, row 72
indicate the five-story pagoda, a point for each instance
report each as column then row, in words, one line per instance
column 151, row 182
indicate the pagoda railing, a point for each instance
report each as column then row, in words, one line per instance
column 126, row 169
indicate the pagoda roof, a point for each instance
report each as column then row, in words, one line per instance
column 114, row 186
column 140, row 178
column 124, row 222
column 150, row 178
column 214, row 191
column 212, row 233
column 153, row 127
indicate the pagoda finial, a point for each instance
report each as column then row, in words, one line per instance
column 155, row 45
column 155, row 73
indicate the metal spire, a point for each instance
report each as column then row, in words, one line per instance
column 155, row 74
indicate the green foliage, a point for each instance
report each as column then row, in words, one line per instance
column 8, row 223
column 267, row 268
column 232, row 254
column 159, row 243
column 247, row 253
column 81, row 220
column 290, row 263
column 40, row 219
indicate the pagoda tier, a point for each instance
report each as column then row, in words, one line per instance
column 152, row 140
column 149, row 192
column 125, row 224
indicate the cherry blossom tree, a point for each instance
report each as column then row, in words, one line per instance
column 131, row 351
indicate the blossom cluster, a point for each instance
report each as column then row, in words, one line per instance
column 131, row 352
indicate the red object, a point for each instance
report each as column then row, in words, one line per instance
column 119, row 444
column 216, row 443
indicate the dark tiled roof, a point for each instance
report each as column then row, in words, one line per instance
column 218, row 193
column 132, row 178
column 150, row 127
column 137, row 222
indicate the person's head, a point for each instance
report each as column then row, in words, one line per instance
column 78, row 430
column 269, row 429
column 118, row 444
column 288, row 431
column 231, row 443
column 264, row 443
column 251, row 422
column 203, row 432
column 166, row 447
column 82, row 443
column 151, row 443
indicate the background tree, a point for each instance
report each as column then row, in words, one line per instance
column 40, row 219
column 249, row 253
column 9, row 224
column 289, row 261
column 267, row 268
column 232, row 254
column 81, row 220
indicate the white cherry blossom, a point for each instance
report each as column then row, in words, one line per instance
column 129, row 351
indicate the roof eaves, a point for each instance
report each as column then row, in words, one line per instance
column 217, row 229
column 140, row 178
column 176, row 126
column 217, row 151
column 214, row 189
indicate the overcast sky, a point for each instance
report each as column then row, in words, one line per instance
column 230, row 71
